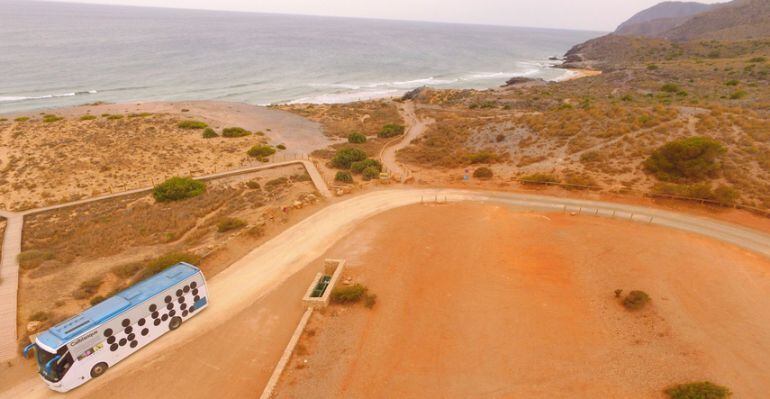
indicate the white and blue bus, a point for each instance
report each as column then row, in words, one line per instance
column 85, row 346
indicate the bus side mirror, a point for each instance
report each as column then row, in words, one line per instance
column 49, row 365
column 27, row 349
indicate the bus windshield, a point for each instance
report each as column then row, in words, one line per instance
column 57, row 369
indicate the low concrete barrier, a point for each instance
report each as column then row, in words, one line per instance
column 333, row 268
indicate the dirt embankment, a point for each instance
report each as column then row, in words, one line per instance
column 480, row 301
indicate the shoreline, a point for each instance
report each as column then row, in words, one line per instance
column 569, row 75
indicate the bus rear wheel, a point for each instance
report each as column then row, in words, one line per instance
column 175, row 323
column 98, row 369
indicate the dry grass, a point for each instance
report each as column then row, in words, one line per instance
column 54, row 162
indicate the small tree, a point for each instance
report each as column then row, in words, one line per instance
column 178, row 188
column 356, row 138
column 688, row 159
column 346, row 156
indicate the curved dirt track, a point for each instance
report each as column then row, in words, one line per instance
column 250, row 278
column 414, row 128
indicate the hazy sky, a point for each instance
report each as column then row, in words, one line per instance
column 602, row 15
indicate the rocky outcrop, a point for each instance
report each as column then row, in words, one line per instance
column 413, row 94
column 519, row 81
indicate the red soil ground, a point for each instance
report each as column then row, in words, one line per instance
column 482, row 301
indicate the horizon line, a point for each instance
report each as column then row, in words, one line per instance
column 312, row 15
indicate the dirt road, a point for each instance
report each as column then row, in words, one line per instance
column 249, row 279
column 415, row 128
column 486, row 301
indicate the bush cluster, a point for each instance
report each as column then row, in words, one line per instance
column 688, row 159
column 698, row 390
column 235, row 132
column 50, row 118
column 345, row 157
column 178, row 188
column 33, row 258
column 391, row 130
column 356, row 138
column 190, row 124
column 261, row 151
column 87, row 117
column 343, row 176
column 352, row 294
column 209, row 133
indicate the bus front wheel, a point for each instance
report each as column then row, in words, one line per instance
column 98, row 369
column 175, row 323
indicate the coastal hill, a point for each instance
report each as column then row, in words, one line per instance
column 661, row 18
column 680, row 21
column 644, row 36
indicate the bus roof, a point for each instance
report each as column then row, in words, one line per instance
column 75, row 326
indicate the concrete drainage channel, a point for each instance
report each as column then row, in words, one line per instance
column 317, row 296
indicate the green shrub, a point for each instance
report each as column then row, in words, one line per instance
column 190, row 124
column 87, row 117
column 698, row 390
column 114, row 117
column 33, row 258
column 670, row 88
column 348, row 294
column 346, row 156
column 343, row 176
column 40, row 316
column 157, row 265
column 21, row 119
column 636, row 300
column 358, row 167
column 178, row 188
column 281, row 147
column 235, row 132
column 757, row 60
column 229, row 223
column 652, row 67
column 253, row 184
column 261, row 151
column 391, row 130
column 371, row 172
column 356, row 138
column 49, row 118
column 738, row 95
column 209, row 133
column 95, row 300
column 483, row 173
column 732, row 83
column 688, row 159
column 726, row 195
column 540, row 178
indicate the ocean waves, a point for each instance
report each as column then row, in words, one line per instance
column 13, row 99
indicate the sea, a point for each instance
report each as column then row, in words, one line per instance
column 62, row 54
